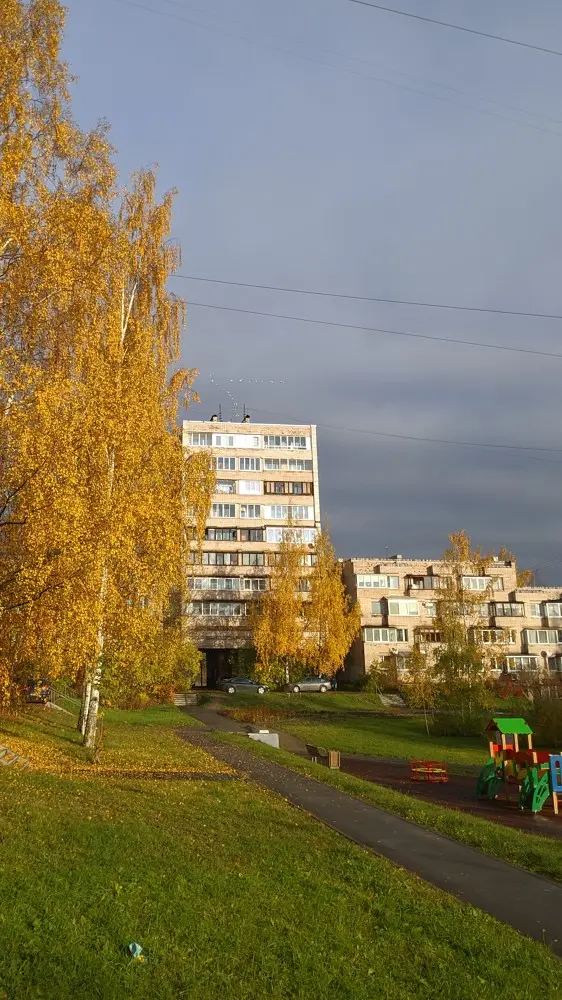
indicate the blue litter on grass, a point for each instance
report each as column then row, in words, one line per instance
column 136, row 952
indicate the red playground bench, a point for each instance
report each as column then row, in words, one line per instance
column 428, row 770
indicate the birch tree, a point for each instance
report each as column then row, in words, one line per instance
column 332, row 620
column 277, row 620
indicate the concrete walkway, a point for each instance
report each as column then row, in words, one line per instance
column 532, row 905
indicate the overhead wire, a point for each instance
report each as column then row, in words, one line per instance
column 423, row 439
column 369, row 62
column 376, row 330
column 457, row 27
column 341, row 69
column 370, row 298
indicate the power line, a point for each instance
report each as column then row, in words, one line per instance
column 457, row 27
column 370, row 298
column 339, row 69
column 427, row 440
column 374, row 329
column 377, row 65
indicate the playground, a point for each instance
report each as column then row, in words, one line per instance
column 516, row 787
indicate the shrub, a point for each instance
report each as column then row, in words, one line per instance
column 546, row 720
column 456, row 723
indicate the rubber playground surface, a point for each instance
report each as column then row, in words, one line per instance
column 458, row 793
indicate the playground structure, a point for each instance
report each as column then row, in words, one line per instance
column 538, row 774
column 428, row 770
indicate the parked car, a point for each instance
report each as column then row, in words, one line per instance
column 233, row 684
column 37, row 692
column 311, row 685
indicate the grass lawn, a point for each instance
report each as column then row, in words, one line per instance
column 333, row 701
column 389, row 736
column 538, row 854
column 233, row 894
column 131, row 741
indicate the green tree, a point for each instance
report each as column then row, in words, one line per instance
column 419, row 681
column 463, row 660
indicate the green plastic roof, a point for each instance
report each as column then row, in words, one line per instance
column 510, row 726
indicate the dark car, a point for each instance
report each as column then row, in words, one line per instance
column 37, row 692
column 311, row 685
column 233, row 684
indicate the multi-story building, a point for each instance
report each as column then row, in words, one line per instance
column 266, row 475
column 398, row 600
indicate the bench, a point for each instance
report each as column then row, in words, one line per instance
column 428, row 770
column 329, row 757
column 10, row 757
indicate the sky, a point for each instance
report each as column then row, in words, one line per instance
column 327, row 146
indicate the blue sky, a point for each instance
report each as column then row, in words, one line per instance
column 305, row 156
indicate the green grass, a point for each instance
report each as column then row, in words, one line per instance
column 233, row 894
column 159, row 715
column 308, row 704
column 132, row 741
column 388, row 736
column 538, row 854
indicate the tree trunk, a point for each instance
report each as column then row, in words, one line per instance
column 86, row 694
column 91, row 721
column 425, row 718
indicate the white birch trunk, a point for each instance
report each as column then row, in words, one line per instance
column 91, row 719
column 86, row 694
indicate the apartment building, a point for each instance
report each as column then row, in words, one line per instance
column 398, row 600
column 265, row 474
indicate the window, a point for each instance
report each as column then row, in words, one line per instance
column 225, row 486
column 293, row 489
column 428, row 635
column 253, row 558
column 220, row 559
column 250, row 510
column 403, row 608
column 536, row 610
column 224, row 441
column 214, row 582
column 249, row 464
column 377, row 608
column 304, row 585
column 217, row 609
column 221, row 534
column 223, row 463
column 491, row 636
column 307, row 536
column 476, row 582
column 201, row 440
column 423, row 582
column 284, row 441
column 385, row 634
column 249, row 486
column 282, row 512
column 553, row 609
column 555, row 662
column 254, row 583
column 308, row 559
column 507, row 609
column 223, row 510
column 430, row 608
column 291, row 464
column 252, row 535
column 543, row 636
column 370, row 581
column 521, row 662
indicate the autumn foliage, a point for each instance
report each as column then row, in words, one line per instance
column 94, row 483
